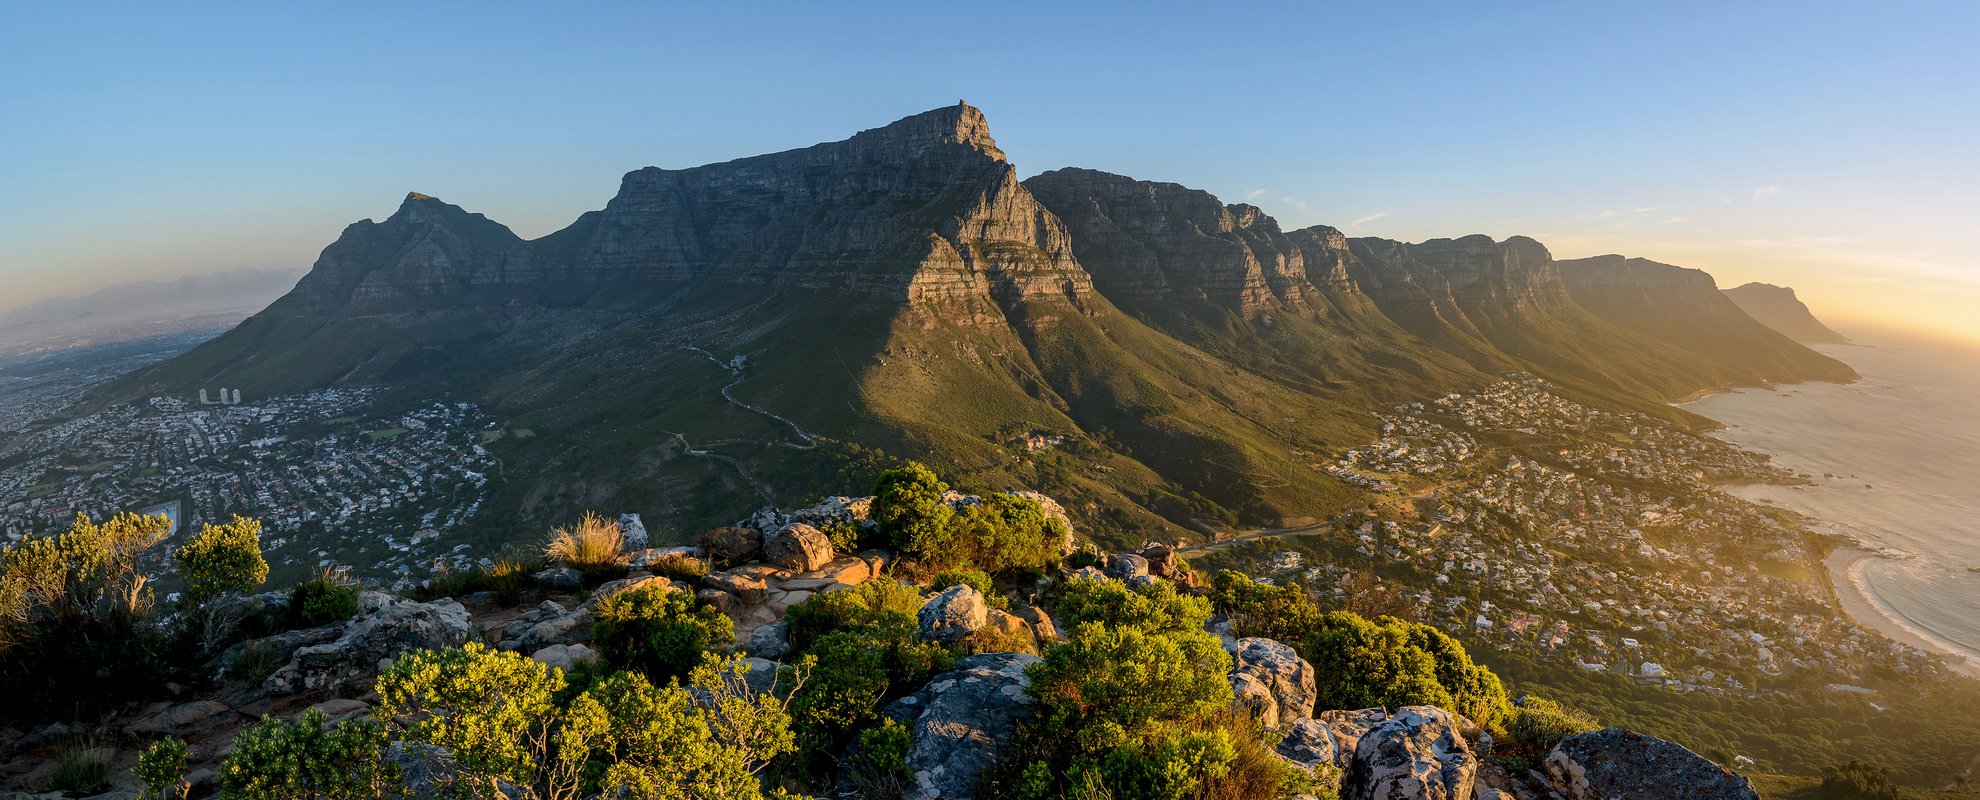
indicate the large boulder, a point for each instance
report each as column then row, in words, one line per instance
column 1328, row 738
column 1616, row 763
column 383, row 628
column 953, row 616
column 634, row 531
column 1273, row 680
column 798, row 547
column 728, row 546
column 1127, row 566
column 274, row 649
column 566, row 578
column 566, row 657
column 1417, row 754
column 961, row 720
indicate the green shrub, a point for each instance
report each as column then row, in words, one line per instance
column 320, row 601
column 658, row 630
column 76, row 614
column 161, row 769
column 496, row 714
column 908, row 506
column 1856, row 780
column 1281, row 613
column 1004, row 532
column 277, row 760
column 1535, row 727
column 852, row 672
column 842, row 610
column 80, row 768
column 1389, row 662
column 845, row 537
column 220, row 559
column 1156, row 607
column 878, row 768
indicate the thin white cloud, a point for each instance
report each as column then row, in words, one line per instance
column 1765, row 192
column 1254, row 194
column 1370, row 218
column 1672, row 221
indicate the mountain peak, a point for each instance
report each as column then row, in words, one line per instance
column 416, row 196
column 961, row 123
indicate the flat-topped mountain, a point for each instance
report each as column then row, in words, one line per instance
column 762, row 329
column 1776, row 307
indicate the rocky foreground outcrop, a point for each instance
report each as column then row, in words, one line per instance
column 384, row 628
column 961, row 722
column 1417, row 754
column 1616, row 764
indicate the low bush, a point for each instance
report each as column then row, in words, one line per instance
column 842, row 610
column 279, row 760
column 161, row 771
column 220, row 559
column 1388, row 662
column 1856, row 780
column 1536, row 725
column 1156, row 607
column 878, row 766
column 321, row 600
column 76, row 619
column 678, row 566
column 1281, row 613
column 658, row 630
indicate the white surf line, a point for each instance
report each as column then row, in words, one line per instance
column 810, row 441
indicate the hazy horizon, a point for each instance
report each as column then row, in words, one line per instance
column 1808, row 146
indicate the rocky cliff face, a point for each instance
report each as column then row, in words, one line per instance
column 925, row 208
column 1776, row 307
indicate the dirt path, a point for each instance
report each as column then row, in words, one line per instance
column 810, row 441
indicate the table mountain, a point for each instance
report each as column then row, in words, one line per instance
column 1776, row 307
column 766, row 329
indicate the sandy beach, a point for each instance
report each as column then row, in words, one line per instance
column 1845, row 573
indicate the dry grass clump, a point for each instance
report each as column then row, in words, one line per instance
column 595, row 544
column 678, row 566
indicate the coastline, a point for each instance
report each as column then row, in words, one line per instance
column 1845, row 567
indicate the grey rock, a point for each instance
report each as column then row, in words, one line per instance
column 798, row 547
column 561, row 578
column 956, row 614
column 1617, row 763
column 771, row 641
column 1418, row 754
column 383, row 628
column 1274, row 680
column 747, row 590
column 960, row 721
column 565, row 657
column 276, row 649
column 185, row 719
column 1126, row 565
column 1329, row 738
column 633, row 530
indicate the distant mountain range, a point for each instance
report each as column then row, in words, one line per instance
column 904, row 292
column 1778, row 308
column 144, row 308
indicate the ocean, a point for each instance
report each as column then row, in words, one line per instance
column 1896, row 464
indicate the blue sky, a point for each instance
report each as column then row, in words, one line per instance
column 1827, row 146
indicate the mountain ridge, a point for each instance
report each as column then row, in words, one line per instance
column 903, row 291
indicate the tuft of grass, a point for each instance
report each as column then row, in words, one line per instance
column 253, row 663
column 594, row 545
column 81, row 768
